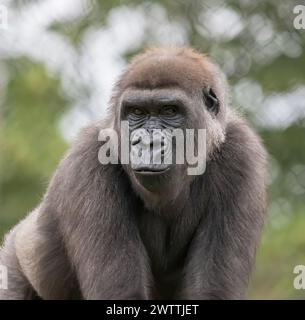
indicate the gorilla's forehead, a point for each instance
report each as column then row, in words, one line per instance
column 165, row 70
column 137, row 96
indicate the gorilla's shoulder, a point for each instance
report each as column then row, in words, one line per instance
column 240, row 162
column 242, row 142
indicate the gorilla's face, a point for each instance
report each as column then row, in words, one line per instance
column 154, row 117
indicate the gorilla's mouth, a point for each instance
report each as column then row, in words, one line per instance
column 151, row 170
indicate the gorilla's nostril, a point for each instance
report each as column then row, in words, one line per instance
column 136, row 141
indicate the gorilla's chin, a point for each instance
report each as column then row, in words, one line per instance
column 153, row 178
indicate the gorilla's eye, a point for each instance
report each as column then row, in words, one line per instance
column 211, row 100
column 137, row 111
column 169, row 111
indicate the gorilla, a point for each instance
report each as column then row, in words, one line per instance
column 148, row 231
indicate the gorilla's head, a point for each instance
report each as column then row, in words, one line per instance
column 164, row 90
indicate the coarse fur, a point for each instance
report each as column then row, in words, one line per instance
column 99, row 234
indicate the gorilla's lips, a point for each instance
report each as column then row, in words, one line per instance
column 151, row 170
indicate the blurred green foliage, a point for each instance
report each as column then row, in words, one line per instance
column 30, row 142
column 33, row 102
column 281, row 250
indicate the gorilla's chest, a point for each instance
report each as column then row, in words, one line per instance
column 166, row 241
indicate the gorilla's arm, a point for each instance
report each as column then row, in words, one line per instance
column 223, row 249
column 19, row 287
column 36, row 261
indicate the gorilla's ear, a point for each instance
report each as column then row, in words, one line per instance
column 211, row 101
